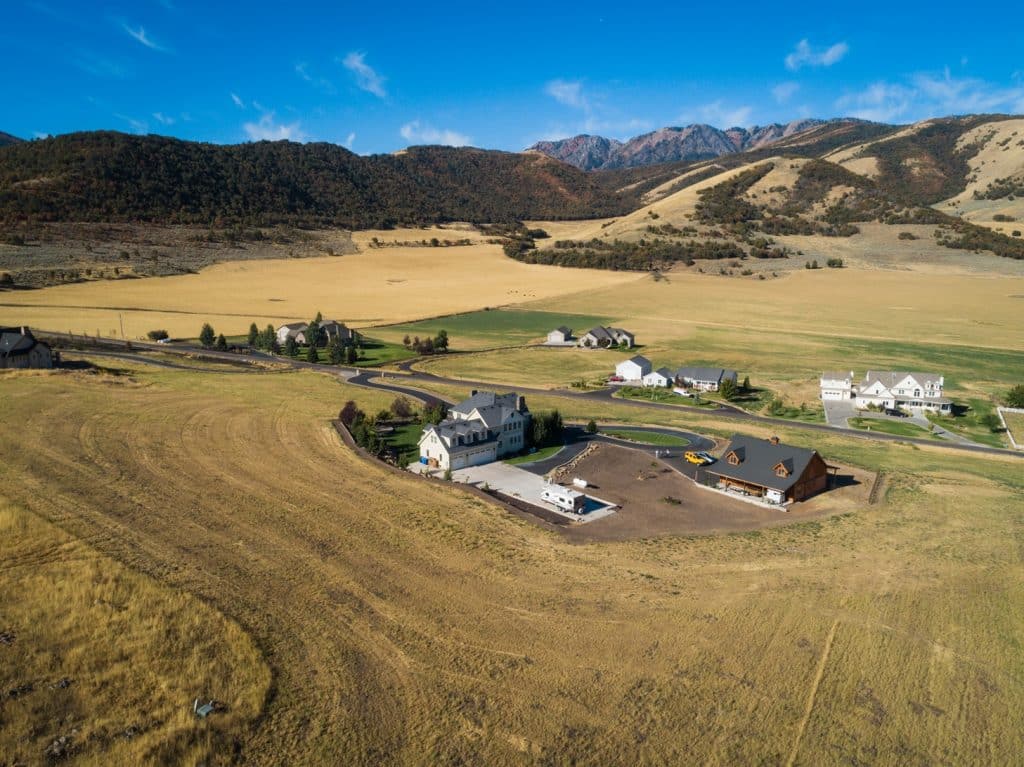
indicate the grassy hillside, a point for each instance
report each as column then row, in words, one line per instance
column 411, row 623
column 106, row 176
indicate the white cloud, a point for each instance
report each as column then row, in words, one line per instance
column 268, row 129
column 718, row 114
column 568, row 92
column 804, row 55
column 98, row 66
column 367, row 78
column 140, row 35
column 139, row 126
column 926, row 95
column 783, row 92
column 238, row 101
column 415, row 133
column 350, row 140
column 163, row 119
column 300, row 70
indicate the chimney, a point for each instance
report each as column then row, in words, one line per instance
column 774, row 440
column 521, row 404
column 472, row 393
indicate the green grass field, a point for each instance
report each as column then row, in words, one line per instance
column 405, row 439
column 648, row 438
column 540, row 455
column 495, row 327
column 899, row 428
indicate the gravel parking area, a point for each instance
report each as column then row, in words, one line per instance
column 657, row 500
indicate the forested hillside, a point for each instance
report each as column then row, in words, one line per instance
column 107, row 176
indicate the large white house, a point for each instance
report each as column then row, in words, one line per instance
column 836, row 385
column 478, row 430
column 703, row 379
column 633, row 369
column 897, row 389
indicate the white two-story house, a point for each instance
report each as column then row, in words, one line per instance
column 480, row 429
column 912, row 391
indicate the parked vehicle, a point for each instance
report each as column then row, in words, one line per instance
column 708, row 458
column 896, row 412
column 692, row 457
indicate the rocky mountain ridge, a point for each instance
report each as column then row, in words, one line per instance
column 671, row 144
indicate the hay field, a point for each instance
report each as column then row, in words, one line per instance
column 410, row 623
column 379, row 286
column 113, row 658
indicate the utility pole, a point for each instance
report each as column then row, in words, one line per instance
column 120, row 318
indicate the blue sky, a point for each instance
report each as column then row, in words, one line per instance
column 379, row 76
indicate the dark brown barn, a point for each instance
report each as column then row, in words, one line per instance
column 770, row 470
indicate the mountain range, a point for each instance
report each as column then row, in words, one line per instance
column 673, row 144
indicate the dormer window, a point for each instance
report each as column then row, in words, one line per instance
column 781, row 470
column 733, row 459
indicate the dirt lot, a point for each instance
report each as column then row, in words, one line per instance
column 640, row 486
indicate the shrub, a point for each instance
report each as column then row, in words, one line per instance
column 907, row 236
column 157, row 335
column 834, row 263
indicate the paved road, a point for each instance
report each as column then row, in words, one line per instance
column 406, row 384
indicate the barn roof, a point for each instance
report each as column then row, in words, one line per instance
column 758, row 459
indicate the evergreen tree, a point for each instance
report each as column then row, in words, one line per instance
column 441, row 341
column 746, row 383
column 336, row 351
column 206, row 335
column 727, row 389
column 311, row 354
column 290, row 347
column 591, row 426
column 1015, row 397
column 222, row 342
column 351, row 355
column 254, row 333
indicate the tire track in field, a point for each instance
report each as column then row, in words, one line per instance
column 815, row 683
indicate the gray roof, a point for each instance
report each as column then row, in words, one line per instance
column 640, row 360
column 620, row 331
column 600, row 333
column 13, row 342
column 564, row 330
column 889, row 378
column 704, row 374
column 664, row 372
column 758, row 459
column 485, row 399
column 295, row 326
column 451, row 429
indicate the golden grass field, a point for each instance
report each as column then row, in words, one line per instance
column 133, row 652
column 1015, row 425
column 410, row 623
column 373, row 287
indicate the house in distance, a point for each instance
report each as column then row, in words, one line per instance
column 703, row 379
column 20, row 349
column 480, row 429
column 561, row 336
column 602, row 337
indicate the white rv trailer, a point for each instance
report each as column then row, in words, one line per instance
column 564, row 498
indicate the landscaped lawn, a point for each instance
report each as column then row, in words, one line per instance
column 648, row 437
column 971, row 424
column 376, row 352
column 899, row 428
column 656, row 394
column 406, row 439
column 540, row 455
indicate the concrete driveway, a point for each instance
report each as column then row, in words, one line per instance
column 525, row 486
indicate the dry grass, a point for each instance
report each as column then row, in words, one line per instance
column 378, row 286
column 410, row 623
column 135, row 654
column 1015, row 425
